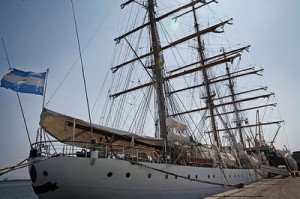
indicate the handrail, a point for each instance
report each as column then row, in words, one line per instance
column 116, row 151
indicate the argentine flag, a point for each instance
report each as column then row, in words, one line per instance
column 24, row 82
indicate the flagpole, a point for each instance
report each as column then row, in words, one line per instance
column 45, row 89
column 43, row 106
column 26, row 127
column 24, row 119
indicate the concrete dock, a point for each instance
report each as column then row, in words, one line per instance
column 276, row 188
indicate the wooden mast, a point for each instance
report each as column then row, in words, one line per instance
column 209, row 101
column 157, row 71
column 235, row 108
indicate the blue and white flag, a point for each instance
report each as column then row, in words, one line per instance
column 24, row 82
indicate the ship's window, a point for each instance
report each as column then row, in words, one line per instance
column 208, row 176
column 239, row 175
column 175, row 177
column 189, row 176
column 234, row 176
column 196, row 176
column 242, row 175
column 109, row 174
column 229, row 176
column 127, row 175
column 214, row 176
column 149, row 175
column 166, row 176
column 45, row 173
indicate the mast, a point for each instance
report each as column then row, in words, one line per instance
column 157, row 71
column 209, row 101
column 235, row 108
column 258, row 131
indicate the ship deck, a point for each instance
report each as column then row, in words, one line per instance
column 275, row 188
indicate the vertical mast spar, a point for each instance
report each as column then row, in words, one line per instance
column 209, row 101
column 233, row 98
column 237, row 115
column 157, row 71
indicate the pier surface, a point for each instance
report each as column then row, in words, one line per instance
column 276, row 188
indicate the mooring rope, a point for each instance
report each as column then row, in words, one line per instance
column 20, row 165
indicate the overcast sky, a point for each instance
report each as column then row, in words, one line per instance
column 40, row 34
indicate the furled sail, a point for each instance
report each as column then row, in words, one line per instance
column 76, row 132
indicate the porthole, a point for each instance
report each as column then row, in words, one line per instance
column 196, row 176
column 189, row 176
column 149, row 175
column 208, row 176
column 45, row 173
column 238, row 175
column 166, row 176
column 175, row 176
column 109, row 174
column 229, row 176
column 127, row 175
column 242, row 175
column 214, row 176
column 234, row 176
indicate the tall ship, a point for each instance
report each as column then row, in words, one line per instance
column 180, row 112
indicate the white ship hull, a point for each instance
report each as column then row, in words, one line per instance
column 74, row 177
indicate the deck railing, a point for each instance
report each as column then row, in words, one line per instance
column 137, row 154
